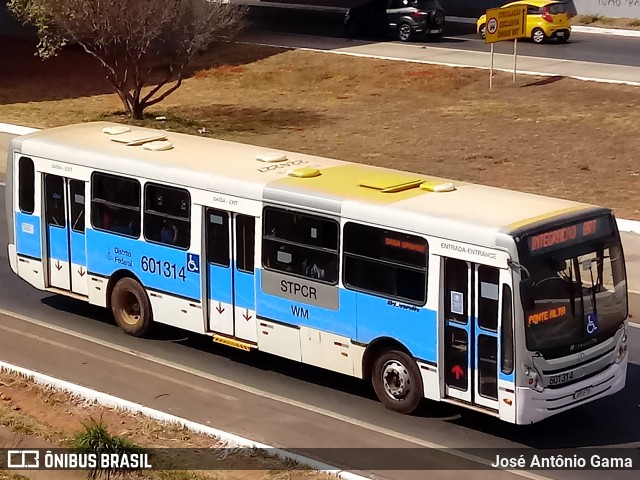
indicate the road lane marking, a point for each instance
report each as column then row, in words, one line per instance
column 115, row 362
column 256, row 391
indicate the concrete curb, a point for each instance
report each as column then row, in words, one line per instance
column 619, row 32
column 229, row 439
column 627, row 226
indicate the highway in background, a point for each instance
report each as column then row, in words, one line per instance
column 583, row 47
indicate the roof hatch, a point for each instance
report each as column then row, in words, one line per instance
column 158, row 146
column 270, row 157
column 304, row 172
column 391, row 182
column 436, row 186
column 137, row 138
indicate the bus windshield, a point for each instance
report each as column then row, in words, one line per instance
column 574, row 296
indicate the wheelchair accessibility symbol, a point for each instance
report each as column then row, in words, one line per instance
column 193, row 263
column 591, row 323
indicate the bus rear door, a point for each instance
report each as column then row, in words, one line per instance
column 64, row 218
column 230, row 251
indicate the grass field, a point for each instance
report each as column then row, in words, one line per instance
column 554, row 136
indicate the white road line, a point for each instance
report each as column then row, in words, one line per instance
column 264, row 394
column 115, row 362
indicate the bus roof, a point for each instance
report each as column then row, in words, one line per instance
column 354, row 190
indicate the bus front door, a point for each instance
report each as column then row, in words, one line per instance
column 65, row 229
column 471, row 310
column 230, row 251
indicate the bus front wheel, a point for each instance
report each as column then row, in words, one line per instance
column 131, row 307
column 397, row 382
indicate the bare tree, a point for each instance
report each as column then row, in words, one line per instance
column 130, row 38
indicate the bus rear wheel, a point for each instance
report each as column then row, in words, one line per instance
column 397, row 382
column 131, row 307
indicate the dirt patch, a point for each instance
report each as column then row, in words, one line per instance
column 558, row 137
column 32, row 416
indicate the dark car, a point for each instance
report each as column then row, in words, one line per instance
column 408, row 19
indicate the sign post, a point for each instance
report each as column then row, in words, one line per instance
column 508, row 23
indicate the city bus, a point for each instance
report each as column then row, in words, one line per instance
column 502, row 302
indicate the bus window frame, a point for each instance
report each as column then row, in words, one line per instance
column 282, row 241
column 424, row 270
column 21, row 183
column 165, row 215
column 108, row 203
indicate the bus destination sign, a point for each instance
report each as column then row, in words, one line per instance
column 566, row 236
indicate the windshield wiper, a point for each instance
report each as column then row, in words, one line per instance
column 572, row 298
column 593, row 289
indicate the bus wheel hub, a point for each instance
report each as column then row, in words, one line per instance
column 396, row 380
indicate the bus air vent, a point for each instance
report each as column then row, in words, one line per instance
column 304, row 172
column 391, row 182
column 116, row 130
column 270, row 157
column 158, row 146
column 134, row 139
column 434, row 186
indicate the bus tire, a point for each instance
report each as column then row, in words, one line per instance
column 131, row 307
column 397, row 382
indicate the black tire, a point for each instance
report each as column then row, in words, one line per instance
column 131, row 307
column 402, row 370
column 538, row 36
column 433, row 37
column 405, row 32
column 564, row 39
column 482, row 29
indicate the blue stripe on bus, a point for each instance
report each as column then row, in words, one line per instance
column 78, row 248
column 219, row 283
column 245, row 291
column 28, row 235
column 360, row 317
column 414, row 327
column 58, row 243
column 157, row 266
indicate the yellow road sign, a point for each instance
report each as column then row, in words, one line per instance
column 505, row 23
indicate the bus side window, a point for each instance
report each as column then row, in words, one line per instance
column 301, row 244
column 385, row 263
column 245, row 242
column 115, row 204
column 506, row 339
column 26, row 185
column 167, row 215
column 217, row 237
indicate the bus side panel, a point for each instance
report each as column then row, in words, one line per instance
column 414, row 327
column 245, row 304
column 28, row 236
column 325, row 331
column 174, row 288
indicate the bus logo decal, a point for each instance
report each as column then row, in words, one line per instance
column 591, row 323
column 193, row 263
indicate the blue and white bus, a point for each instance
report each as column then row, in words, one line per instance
column 504, row 302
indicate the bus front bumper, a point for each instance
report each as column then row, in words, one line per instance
column 536, row 406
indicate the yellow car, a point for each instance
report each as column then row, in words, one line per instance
column 545, row 19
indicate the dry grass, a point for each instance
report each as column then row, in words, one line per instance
column 608, row 22
column 558, row 137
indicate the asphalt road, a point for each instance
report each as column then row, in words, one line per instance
column 276, row 401
column 581, row 47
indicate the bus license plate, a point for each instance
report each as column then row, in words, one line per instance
column 582, row 393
